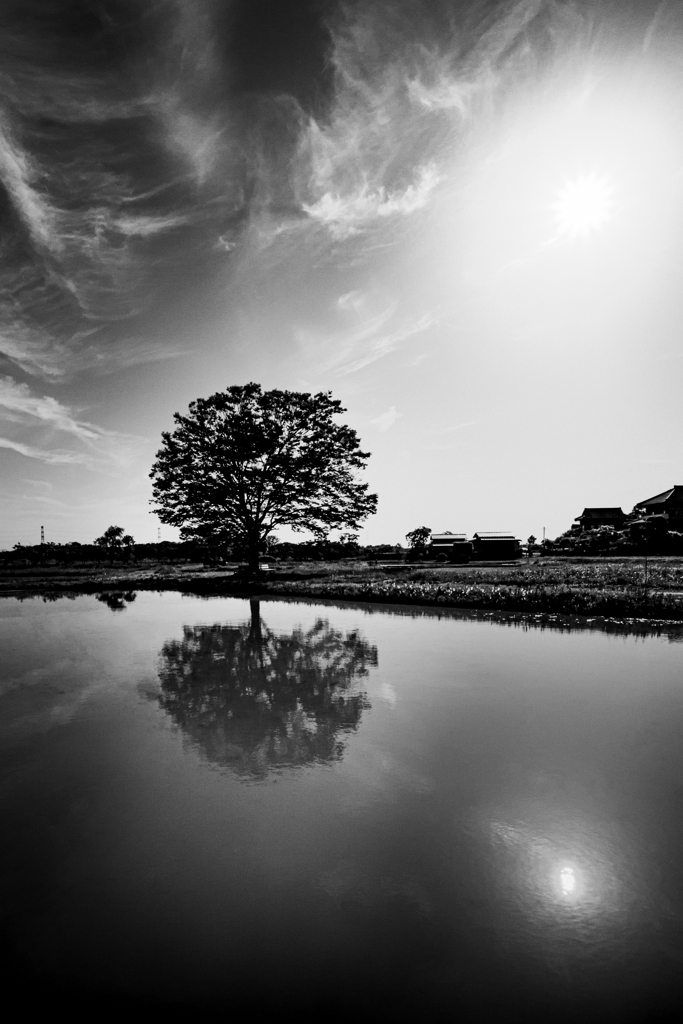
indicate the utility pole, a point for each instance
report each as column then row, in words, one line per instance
column 645, row 559
column 42, row 535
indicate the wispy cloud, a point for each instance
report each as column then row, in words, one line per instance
column 97, row 446
column 446, row 93
column 387, row 343
column 371, row 338
column 17, row 398
column 134, row 168
column 334, row 348
column 120, row 168
column 406, row 90
column 144, row 226
column 18, row 174
column 53, row 456
column 354, row 300
column 346, row 214
column 387, row 419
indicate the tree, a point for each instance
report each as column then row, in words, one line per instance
column 111, row 541
column 418, row 539
column 245, row 461
column 254, row 700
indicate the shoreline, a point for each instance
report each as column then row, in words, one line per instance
column 519, row 589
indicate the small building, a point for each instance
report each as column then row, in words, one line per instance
column 451, row 547
column 668, row 503
column 592, row 518
column 496, row 546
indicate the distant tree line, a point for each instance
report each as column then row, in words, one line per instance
column 74, row 553
column 116, row 547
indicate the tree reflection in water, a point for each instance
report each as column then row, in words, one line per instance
column 255, row 700
column 116, row 600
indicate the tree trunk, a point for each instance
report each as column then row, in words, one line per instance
column 253, row 556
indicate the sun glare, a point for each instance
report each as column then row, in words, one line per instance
column 584, row 206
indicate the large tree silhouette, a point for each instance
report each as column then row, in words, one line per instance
column 244, row 462
column 255, row 700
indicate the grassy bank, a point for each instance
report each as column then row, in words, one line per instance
column 608, row 589
column 560, row 599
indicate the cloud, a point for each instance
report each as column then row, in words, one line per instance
column 102, row 447
column 345, row 215
column 31, row 350
column 387, row 419
column 189, row 69
column 446, row 94
column 144, row 226
column 44, row 500
column 18, row 174
column 52, row 456
column 372, row 338
column 387, row 343
column 18, row 398
column 336, row 347
column 411, row 82
column 354, row 300
column 121, row 167
column 134, row 167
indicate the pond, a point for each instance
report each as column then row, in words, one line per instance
column 284, row 806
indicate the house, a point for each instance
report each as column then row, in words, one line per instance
column 452, row 547
column 496, row 546
column 668, row 503
column 592, row 518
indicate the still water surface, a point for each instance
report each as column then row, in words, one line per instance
column 291, row 806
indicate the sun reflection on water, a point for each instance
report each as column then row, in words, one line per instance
column 557, row 877
column 568, row 881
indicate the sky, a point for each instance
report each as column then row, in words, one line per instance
column 463, row 219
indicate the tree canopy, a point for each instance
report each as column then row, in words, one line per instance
column 244, row 462
column 419, row 538
column 113, row 540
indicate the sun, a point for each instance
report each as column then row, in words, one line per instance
column 584, row 205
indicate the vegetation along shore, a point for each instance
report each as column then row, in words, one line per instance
column 615, row 589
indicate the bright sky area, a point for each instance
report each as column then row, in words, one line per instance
column 462, row 219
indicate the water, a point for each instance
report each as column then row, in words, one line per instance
column 310, row 808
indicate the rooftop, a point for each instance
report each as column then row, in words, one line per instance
column 595, row 513
column 675, row 492
column 494, row 536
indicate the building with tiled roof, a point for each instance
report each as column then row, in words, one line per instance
column 592, row 518
column 668, row 503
